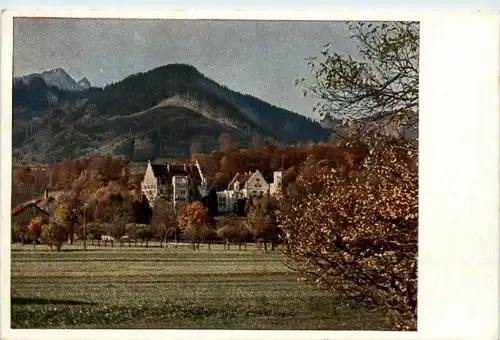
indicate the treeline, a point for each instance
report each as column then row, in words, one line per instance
column 299, row 163
column 30, row 182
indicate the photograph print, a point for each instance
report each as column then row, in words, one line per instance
column 214, row 174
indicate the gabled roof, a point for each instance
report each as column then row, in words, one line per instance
column 178, row 170
column 23, row 206
column 38, row 202
column 44, row 201
column 241, row 178
column 160, row 171
column 166, row 171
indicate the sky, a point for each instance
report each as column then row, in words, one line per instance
column 261, row 58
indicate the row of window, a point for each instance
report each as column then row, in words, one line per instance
column 257, row 193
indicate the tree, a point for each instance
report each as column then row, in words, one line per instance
column 18, row 232
column 194, row 221
column 261, row 220
column 61, row 219
column 54, row 234
column 212, row 203
column 376, row 92
column 233, row 229
column 358, row 235
column 353, row 229
column 145, row 233
column 164, row 219
column 142, row 211
column 35, row 228
column 115, row 208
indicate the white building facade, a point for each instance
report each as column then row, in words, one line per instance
column 175, row 180
column 247, row 185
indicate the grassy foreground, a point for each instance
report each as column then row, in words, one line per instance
column 171, row 288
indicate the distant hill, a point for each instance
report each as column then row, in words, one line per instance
column 148, row 115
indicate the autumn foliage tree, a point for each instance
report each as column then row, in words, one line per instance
column 358, row 235
column 353, row 229
column 56, row 232
column 233, row 229
column 35, row 228
column 114, row 207
column 164, row 219
column 194, row 221
column 261, row 219
column 19, row 232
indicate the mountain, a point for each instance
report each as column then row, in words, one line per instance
column 155, row 114
column 84, row 84
column 57, row 78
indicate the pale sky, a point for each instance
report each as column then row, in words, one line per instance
column 261, row 58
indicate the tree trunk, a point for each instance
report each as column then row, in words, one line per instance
column 245, row 246
column 272, row 245
column 239, row 246
column 208, row 245
column 34, row 244
column 135, row 242
column 147, row 240
column 265, row 246
column 70, row 236
column 161, row 243
column 98, row 242
column 129, row 243
column 105, row 243
column 92, row 242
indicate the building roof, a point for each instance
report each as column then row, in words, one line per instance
column 160, row 171
column 241, row 178
column 44, row 201
column 38, row 202
column 166, row 171
column 23, row 206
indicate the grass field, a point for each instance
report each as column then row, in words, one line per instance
column 171, row 288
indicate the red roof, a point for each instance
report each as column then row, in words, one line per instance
column 41, row 203
column 25, row 205
column 20, row 207
column 38, row 203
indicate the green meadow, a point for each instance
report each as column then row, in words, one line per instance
column 173, row 288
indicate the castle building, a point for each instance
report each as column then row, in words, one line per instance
column 183, row 183
column 250, row 184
